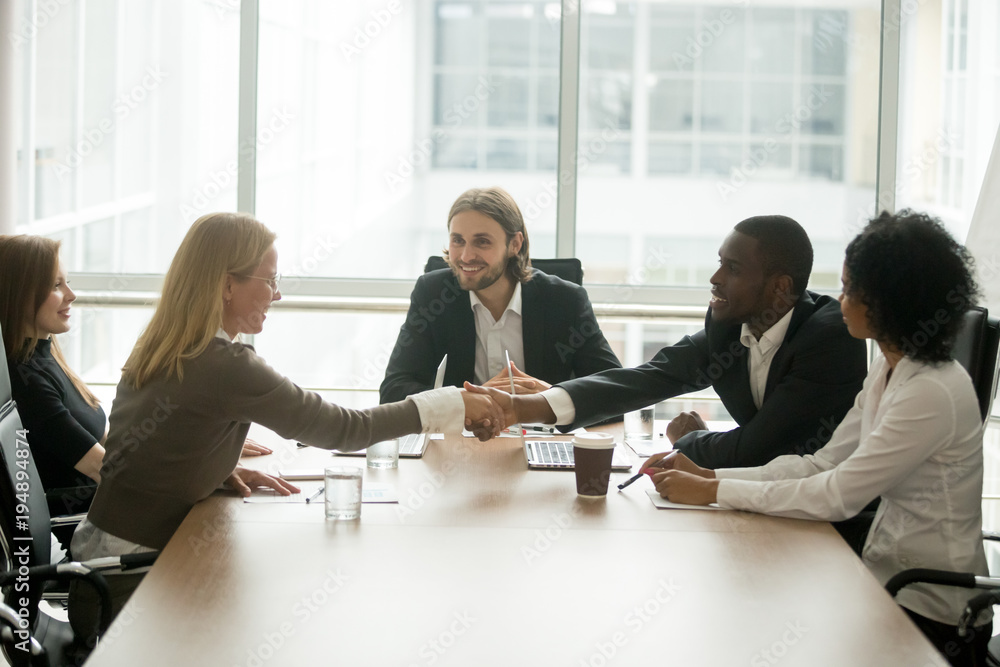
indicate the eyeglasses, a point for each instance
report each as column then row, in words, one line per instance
column 274, row 283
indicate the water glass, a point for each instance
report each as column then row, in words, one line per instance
column 639, row 424
column 343, row 493
column 383, row 454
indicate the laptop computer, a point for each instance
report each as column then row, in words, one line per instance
column 414, row 445
column 557, row 454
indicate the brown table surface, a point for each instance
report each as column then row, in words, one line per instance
column 484, row 562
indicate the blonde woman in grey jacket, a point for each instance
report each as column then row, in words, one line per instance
column 189, row 392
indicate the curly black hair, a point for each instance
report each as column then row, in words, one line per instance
column 916, row 281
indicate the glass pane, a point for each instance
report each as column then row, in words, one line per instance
column 825, row 42
column 771, row 48
column 671, row 105
column 670, row 158
column 721, row 106
column 740, row 109
column 508, row 104
column 770, row 103
column 448, row 95
column 722, row 35
column 135, row 118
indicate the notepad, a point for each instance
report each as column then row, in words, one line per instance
column 370, row 493
column 664, row 504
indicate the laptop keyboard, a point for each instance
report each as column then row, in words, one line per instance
column 410, row 444
column 554, row 452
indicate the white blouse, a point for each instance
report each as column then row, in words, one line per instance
column 916, row 441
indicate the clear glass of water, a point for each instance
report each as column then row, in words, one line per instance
column 639, row 424
column 343, row 493
column 383, row 454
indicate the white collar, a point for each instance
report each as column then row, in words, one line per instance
column 771, row 338
column 221, row 333
column 513, row 305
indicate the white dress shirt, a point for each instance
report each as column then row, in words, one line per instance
column 916, row 441
column 493, row 337
column 762, row 352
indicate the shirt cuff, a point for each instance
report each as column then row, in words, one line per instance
column 740, row 494
column 441, row 410
column 754, row 474
column 562, row 405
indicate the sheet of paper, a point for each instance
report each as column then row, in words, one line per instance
column 649, row 447
column 309, row 490
column 370, row 493
column 664, row 504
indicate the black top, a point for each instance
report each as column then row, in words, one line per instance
column 61, row 426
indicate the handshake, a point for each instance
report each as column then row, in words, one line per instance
column 487, row 410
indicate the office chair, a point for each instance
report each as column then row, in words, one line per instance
column 569, row 269
column 976, row 348
column 28, row 635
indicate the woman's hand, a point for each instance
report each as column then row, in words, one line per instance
column 243, row 481
column 683, row 487
column 677, row 461
column 254, row 448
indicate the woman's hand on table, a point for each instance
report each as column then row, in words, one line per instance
column 683, row 487
column 243, row 481
column 677, row 461
column 254, row 448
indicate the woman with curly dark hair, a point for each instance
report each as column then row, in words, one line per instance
column 913, row 437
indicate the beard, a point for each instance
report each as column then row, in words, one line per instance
column 488, row 276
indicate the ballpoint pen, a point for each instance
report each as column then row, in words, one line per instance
column 314, row 496
column 651, row 470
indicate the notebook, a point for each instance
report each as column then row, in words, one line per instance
column 414, row 445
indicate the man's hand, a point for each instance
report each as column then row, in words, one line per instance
column 676, row 461
column 523, row 383
column 254, row 448
column 684, row 423
column 484, row 415
column 682, row 487
column 243, row 480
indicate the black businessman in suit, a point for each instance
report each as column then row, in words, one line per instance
column 491, row 300
column 787, row 391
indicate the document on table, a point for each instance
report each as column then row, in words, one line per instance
column 370, row 493
column 664, row 504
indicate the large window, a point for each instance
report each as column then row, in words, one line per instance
column 373, row 116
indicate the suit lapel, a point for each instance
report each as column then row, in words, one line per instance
column 458, row 329
column 800, row 313
column 532, row 330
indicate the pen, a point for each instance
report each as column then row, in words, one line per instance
column 540, row 429
column 319, row 492
column 636, row 476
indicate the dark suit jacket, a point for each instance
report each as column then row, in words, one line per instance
column 561, row 337
column 813, row 379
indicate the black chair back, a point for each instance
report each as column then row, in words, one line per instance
column 569, row 269
column 25, row 535
column 976, row 348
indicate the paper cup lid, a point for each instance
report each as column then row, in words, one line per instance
column 594, row 440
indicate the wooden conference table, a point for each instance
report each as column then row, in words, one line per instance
column 484, row 562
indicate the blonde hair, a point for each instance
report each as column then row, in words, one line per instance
column 497, row 204
column 28, row 269
column 190, row 309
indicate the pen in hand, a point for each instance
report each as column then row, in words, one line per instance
column 651, row 470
